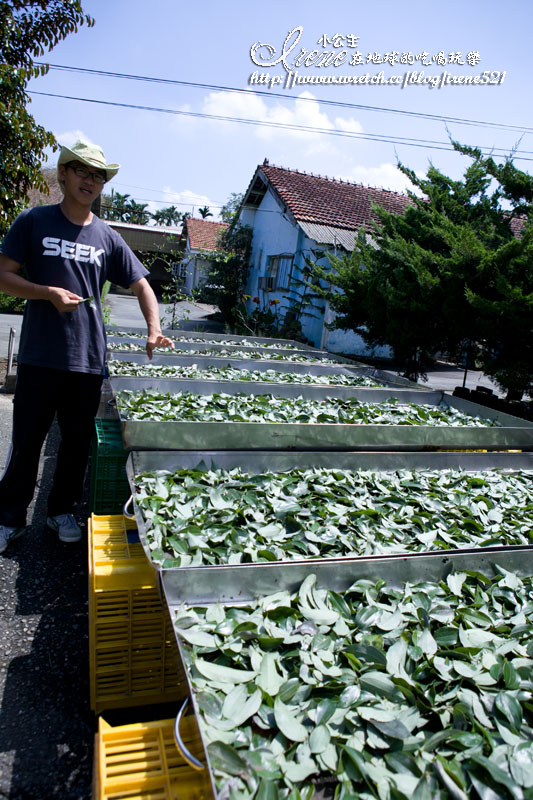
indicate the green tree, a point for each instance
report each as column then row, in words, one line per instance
column 229, row 210
column 204, row 212
column 167, row 216
column 230, row 264
column 448, row 273
column 115, row 206
column 28, row 29
column 137, row 213
column 503, row 303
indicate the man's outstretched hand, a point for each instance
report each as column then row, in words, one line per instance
column 158, row 340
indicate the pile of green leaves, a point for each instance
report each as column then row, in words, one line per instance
column 274, row 356
column 232, row 374
column 129, row 347
column 201, row 516
column 229, row 342
column 151, row 404
column 421, row 692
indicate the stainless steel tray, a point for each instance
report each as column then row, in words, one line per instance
column 241, row 583
column 257, row 461
column 302, row 368
column 335, row 575
column 235, row 348
column 153, row 435
column 112, row 330
column 316, row 392
column 207, row 583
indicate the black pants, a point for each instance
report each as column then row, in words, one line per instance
column 40, row 394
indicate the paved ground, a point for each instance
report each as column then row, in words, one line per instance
column 46, row 725
column 125, row 312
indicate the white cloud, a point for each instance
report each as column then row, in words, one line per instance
column 385, row 176
column 351, row 125
column 185, row 200
column 244, row 106
column 68, row 138
column 304, row 112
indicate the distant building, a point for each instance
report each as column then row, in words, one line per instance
column 147, row 241
column 199, row 238
column 296, row 215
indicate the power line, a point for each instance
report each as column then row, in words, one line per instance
column 213, row 203
column 336, row 103
column 166, row 203
column 383, row 138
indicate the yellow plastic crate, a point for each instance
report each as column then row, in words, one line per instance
column 134, row 659
column 142, row 762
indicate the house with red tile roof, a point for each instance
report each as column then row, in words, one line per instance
column 199, row 237
column 294, row 215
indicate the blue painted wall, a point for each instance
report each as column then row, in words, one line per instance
column 276, row 232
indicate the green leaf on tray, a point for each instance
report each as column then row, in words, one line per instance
column 407, row 711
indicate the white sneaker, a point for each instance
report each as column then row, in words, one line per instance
column 7, row 535
column 65, row 526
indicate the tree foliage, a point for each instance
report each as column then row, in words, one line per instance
column 228, row 212
column 228, row 274
column 169, row 216
column 28, row 29
column 454, row 270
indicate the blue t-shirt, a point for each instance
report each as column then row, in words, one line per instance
column 55, row 252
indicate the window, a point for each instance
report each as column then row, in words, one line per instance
column 179, row 270
column 279, row 271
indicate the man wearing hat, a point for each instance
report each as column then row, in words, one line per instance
column 68, row 253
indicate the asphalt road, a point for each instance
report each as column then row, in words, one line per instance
column 125, row 312
column 46, row 726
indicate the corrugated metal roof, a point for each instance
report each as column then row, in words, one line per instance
column 157, row 229
column 147, row 237
column 335, row 237
column 324, row 234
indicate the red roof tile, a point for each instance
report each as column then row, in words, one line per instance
column 203, row 234
column 328, row 201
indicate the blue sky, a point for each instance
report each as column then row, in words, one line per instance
column 191, row 161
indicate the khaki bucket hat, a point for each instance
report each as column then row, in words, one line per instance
column 89, row 154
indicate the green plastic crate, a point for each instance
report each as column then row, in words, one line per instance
column 109, row 488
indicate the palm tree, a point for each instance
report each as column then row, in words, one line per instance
column 160, row 217
column 115, row 206
column 204, row 212
column 167, row 216
column 136, row 213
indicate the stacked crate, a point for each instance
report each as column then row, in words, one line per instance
column 133, row 654
column 109, row 487
column 142, row 761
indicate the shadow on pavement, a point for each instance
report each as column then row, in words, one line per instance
column 45, row 720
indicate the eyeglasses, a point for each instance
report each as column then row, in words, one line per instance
column 83, row 172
